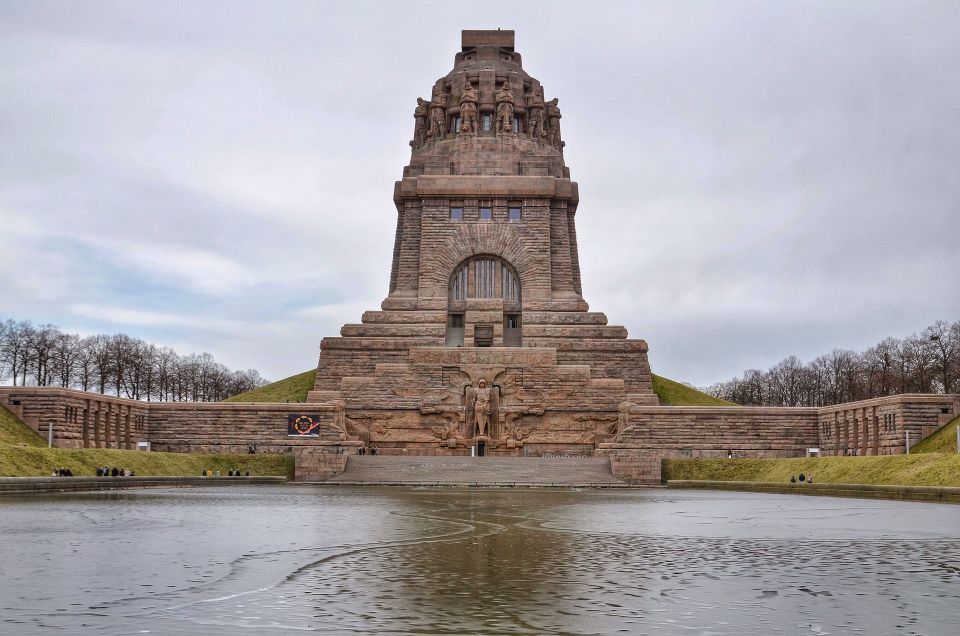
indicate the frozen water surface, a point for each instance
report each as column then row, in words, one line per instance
column 255, row 560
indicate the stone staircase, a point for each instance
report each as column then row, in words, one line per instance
column 523, row 472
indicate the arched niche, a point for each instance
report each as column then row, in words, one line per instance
column 484, row 276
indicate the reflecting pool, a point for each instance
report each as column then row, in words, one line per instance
column 285, row 559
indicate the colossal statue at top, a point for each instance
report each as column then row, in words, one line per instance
column 487, row 106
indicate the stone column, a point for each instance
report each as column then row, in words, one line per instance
column 126, row 430
column 118, row 426
column 876, row 432
column 97, row 439
column 85, row 430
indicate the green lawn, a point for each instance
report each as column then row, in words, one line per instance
column 942, row 441
column 13, row 431
column 673, row 393
column 292, row 389
column 929, row 469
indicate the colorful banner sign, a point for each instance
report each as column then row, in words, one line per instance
column 300, row 425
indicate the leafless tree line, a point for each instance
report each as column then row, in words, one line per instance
column 928, row 362
column 42, row 355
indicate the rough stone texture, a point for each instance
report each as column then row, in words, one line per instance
column 317, row 464
column 79, row 419
column 636, row 470
column 880, row 426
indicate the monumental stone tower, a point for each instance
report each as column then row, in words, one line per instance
column 485, row 339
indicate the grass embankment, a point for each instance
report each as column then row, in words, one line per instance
column 23, row 453
column 292, row 389
column 673, row 393
column 13, row 431
column 944, row 440
column 930, row 469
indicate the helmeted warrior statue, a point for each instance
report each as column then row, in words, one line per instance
column 468, row 110
column 481, row 408
column 553, row 124
column 504, row 108
column 535, row 105
column 420, row 128
column 438, row 114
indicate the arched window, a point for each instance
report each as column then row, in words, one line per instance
column 485, row 277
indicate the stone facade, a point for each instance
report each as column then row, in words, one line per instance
column 485, row 285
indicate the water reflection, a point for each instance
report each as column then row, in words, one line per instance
column 266, row 560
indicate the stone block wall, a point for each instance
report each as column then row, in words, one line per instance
column 317, row 464
column 712, row 432
column 79, row 419
column 635, row 469
column 880, row 426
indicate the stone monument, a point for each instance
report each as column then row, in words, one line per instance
column 485, row 335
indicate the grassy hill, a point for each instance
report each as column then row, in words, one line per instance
column 15, row 432
column 292, row 389
column 929, row 469
column 295, row 388
column 672, row 393
column 943, row 441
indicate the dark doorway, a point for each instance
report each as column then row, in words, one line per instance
column 481, row 449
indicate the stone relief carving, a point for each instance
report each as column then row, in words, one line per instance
column 438, row 114
column 468, row 110
column 481, row 407
column 504, row 101
column 420, row 114
column 535, row 107
column 553, row 124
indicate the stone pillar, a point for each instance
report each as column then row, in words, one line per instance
column 866, row 432
column 876, row 432
column 107, row 434
column 116, row 428
column 85, row 427
column 126, row 430
column 836, row 433
column 561, row 277
column 97, row 439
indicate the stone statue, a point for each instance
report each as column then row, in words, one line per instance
column 438, row 114
column 504, row 109
column 553, row 124
column 468, row 110
column 535, row 128
column 420, row 128
column 481, row 408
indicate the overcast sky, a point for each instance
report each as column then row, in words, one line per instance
column 756, row 179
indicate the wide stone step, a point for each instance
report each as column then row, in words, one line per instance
column 479, row 471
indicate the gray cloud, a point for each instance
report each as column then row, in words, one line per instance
column 758, row 179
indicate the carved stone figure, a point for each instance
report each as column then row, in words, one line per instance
column 481, row 408
column 420, row 114
column 535, row 105
column 468, row 110
column 553, row 123
column 438, row 114
column 504, row 109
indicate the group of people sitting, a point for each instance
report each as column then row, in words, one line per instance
column 61, row 472
column 363, row 450
column 106, row 471
column 233, row 472
column 803, row 478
